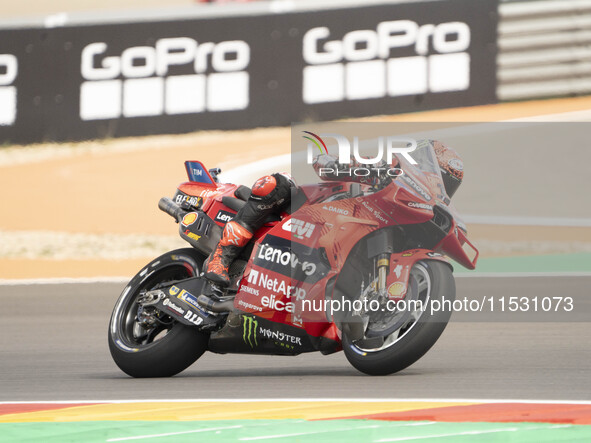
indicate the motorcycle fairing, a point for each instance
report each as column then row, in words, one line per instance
column 221, row 214
column 200, row 231
column 275, row 282
column 208, row 194
column 457, row 246
column 400, row 266
column 198, row 174
column 413, row 206
column 281, row 274
column 249, row 334
column 310, row 266
column 294, row 260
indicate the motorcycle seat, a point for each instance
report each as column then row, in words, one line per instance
column 242, row 192
column 233, row 203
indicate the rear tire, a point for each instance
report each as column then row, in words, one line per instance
column 158, row 355
column 420, row 336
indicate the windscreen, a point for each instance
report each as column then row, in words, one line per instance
column 427, row 168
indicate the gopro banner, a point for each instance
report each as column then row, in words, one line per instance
column 234, row 72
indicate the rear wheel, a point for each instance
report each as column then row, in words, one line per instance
column 395, row 340
column 145, row 342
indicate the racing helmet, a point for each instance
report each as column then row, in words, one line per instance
column 451, row 166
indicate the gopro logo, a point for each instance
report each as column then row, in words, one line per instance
column 8, row 74
column 361, row 65
column 136, row 83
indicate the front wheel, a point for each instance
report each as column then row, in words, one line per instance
column 145, row 342
column 392, row 351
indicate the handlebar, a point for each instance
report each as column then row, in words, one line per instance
column 165, row 204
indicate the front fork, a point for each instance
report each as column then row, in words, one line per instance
column 383, row 267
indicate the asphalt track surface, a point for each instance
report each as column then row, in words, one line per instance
column 54, row 347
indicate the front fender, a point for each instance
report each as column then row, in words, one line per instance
column 399, row 271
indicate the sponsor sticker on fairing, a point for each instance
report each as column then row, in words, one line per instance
column 193, row 318
column 276, row 285
column 190, row 299
column 187, row 201
column 224, row 216
column 173, row 307
column 249, row 330
column 280, row 336
column 189, row 219
column 299, row 228
column 274, row 255
column 418, row 205
column 335, row 209
column 192, row 235
column 396, row 290
column 418, row 188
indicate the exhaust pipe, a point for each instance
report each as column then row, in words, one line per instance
column 216, row 306
column 171, row 208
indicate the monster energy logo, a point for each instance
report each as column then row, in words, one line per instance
column 249, row 328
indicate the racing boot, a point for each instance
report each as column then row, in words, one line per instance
column 234, row 238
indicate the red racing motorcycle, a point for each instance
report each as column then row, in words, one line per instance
column 353, row 267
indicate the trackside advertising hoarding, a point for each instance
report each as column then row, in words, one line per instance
column 233, row 72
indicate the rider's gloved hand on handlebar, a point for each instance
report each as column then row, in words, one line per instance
column 325, row 161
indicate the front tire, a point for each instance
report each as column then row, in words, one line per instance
column 409, row 343
column 169, row 347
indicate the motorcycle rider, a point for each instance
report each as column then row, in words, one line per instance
column 271, row 194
